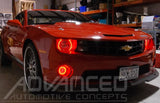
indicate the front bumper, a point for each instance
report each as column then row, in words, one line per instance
column 145, row 78
column 83, row 63
column 121, row 84
column 96, row 85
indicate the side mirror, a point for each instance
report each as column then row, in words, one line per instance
column 14, row 23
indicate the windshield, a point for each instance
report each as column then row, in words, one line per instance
column 51, row 17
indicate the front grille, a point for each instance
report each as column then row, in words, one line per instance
column 99, row 73
column 109, row 48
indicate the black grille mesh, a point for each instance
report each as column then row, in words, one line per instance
column 109, row 48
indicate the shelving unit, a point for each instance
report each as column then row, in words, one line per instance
column 97, row 15
column 94, row 12
column 108, row 12
column 137, row 25
column 129, row 3
column 136, row 2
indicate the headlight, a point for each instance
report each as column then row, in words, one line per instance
column 149, row 44
column 66, row 45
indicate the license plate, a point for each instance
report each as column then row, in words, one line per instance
column 128, row 73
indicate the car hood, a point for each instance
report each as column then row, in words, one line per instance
column 92, row 31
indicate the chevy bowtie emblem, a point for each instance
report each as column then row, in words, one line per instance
column 126, row 48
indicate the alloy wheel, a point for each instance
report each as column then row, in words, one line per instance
column 30, row 68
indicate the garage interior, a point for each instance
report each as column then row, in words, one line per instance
column 140, row 15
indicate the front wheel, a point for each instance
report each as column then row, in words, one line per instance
column 32, row 70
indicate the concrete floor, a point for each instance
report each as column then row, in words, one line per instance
column 144, row 93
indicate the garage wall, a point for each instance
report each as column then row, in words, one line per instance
column 40, row 4
column 6, row 6
column 69, row 3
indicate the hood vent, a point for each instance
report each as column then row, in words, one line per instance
column 128, row 35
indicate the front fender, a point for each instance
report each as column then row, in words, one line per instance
column 43, row 43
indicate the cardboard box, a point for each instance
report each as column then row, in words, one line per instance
column 102, row 6
column 151, row 23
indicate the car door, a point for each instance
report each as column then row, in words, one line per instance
column 16, row 36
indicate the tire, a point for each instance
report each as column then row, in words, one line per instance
column 4, row 60
column 32, row 70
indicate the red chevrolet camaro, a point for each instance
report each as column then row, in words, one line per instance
column 51, row 43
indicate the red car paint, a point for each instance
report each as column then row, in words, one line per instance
column 44, row 39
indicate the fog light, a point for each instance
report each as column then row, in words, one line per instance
column 65, row 71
